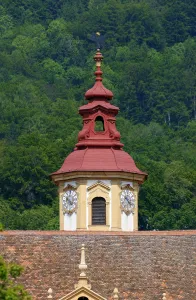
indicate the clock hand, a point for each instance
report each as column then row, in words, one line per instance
column 127, row 198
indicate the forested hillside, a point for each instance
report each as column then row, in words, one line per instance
column 46, row 66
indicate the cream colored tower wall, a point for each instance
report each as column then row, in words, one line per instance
column 135, row 219
column 61, row 215
column 115, row 207
column 129, row 222
column 81, row 212
column 67, row 221
column 110, row 190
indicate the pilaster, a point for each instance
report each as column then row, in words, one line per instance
column 116, row 212
column 81, row 212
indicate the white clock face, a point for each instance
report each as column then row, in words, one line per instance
column 69, row 200
column 127, row 200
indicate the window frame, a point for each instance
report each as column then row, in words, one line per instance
column 102, row 201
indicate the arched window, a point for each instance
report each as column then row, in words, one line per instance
column 98, row 211
column 83, row 298
column 99, row 124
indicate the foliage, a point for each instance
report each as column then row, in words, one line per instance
column 46, row 66
column 9, row 290
column 1, row 227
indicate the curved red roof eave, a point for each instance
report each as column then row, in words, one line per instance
column 97, row 103
column 98, row 91
column 90, row 159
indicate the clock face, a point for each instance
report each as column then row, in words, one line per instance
column 127, row 200
column 69, row 200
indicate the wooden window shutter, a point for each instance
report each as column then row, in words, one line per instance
column 98, row 211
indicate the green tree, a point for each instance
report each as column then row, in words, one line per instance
column 9, row 290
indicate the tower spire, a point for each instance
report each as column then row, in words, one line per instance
column 98, row 91
column 98, row 59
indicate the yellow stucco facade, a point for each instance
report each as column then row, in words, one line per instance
column 108, row 186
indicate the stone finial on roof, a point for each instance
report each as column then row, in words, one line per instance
column 164, row 296
column 115, row 294
column 83, row 282
column 50, row 294
column 82, row 265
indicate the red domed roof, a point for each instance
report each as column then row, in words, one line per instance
column 99, row 150
column 98, row 91
column 94, row 159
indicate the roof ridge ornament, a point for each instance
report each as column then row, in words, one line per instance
column 82, row 265
column 83, row 281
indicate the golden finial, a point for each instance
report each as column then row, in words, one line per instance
column 98, row 58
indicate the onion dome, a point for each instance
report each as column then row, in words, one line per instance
column 98, row 90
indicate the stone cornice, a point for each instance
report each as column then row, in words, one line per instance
column 108, row 233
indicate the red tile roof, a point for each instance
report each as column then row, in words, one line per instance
column 97, row 91
column 99, row 159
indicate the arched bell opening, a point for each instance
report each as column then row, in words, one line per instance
column 98, row 211
column 83, row 298
column 99, row 124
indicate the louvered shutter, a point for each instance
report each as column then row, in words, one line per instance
column 98, row 211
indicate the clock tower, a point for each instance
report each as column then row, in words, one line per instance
column 99, row 182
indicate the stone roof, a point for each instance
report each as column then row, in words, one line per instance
column 142, row 265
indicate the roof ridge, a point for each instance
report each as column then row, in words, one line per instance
column 85, row 150
column 115, row 158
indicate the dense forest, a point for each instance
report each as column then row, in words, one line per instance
column 46, row 66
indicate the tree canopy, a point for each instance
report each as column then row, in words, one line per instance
column 46, row 66
column 9, row 290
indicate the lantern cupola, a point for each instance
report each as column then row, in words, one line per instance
column 99, row 129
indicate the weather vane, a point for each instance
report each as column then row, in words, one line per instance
column 98, row 39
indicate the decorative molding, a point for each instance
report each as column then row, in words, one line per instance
column 126, row 185
column 83, row 288
column 98, row 183
column 98, row 192
column 101, row 174
column 83, row 292
column 70, row 185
